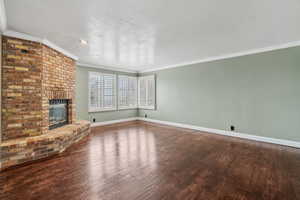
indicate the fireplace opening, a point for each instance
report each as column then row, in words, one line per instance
column 58, row 113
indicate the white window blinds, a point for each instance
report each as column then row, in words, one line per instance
column 146, row 93
column 127, row 92
column 102, row 92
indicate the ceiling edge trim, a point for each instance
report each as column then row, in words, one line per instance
column 107, row 67
column 226, row 56
column 3, row 19
column 36, row 39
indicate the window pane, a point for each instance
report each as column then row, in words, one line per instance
column 102, row 91
column 147, row 92
column 108, row 101
column 132, row 92
column 127, row 91
column 94, row 83
column 108, row 91
column 143, row 92
column 150, row 93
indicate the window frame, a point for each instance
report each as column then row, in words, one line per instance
column 136, row 95
column 101, row 109
column 147, row 77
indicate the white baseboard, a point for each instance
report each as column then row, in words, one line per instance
column 208, row 130
column 113, row 121
column 227, row 133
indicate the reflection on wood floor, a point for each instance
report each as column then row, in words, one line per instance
column 140, row 160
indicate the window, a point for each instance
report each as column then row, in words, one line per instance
column 127, row 92
column 102, row 92
column 132, row 92
column 147, row 97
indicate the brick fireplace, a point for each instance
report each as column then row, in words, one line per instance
column 33, row 76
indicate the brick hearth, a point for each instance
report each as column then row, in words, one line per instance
column 17, row 151
column 33, row 74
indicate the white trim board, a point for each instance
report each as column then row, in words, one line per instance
column 3, row 19
column 227, row 133
column 208, row 130
column 226, row 56
column 113, row 121
column 39, row 40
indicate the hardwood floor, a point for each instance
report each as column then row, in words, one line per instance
column 146, row 161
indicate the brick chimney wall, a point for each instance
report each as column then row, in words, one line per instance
column 58, row 83
column 32, row 74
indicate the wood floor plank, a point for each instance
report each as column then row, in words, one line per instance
column 145, row 161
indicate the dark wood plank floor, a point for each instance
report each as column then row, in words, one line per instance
column 146, row 161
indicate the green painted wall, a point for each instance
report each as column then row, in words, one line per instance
column 82, row 98
column 259, row 94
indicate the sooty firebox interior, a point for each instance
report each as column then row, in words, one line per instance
column 58, row 113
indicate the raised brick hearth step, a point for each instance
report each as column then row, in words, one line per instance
column 18, row 151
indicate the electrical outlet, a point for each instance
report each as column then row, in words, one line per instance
column 94, row 120
column 146, row 116
column 232, row 128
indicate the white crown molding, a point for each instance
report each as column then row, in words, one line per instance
column 59, row 49
column 22, row 36
column 226, row 56
column 106, row 67
column 113, row 122
column 3, row 19
column 227, row 133
column 37, row 39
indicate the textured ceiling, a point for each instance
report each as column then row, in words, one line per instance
column 149, row 34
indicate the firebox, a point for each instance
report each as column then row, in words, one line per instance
column 58, row 113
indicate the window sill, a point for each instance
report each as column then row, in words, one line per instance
column 128, row 108
column 147, row 107
column 102, row 110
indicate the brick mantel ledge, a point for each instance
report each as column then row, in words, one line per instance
column 22, row 150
